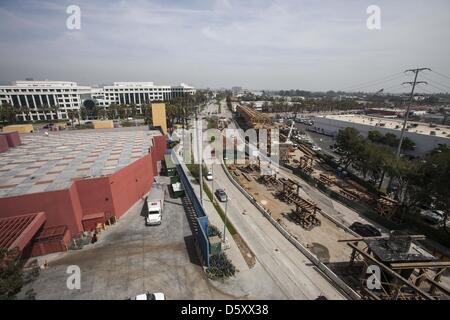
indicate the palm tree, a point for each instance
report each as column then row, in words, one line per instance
column 7, row 113
column 55, row 110
column 25, row 112
column 45, row 109
column 83, row 113
column 72, row 114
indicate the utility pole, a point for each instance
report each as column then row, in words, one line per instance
column 225, row 221
column 413, row 83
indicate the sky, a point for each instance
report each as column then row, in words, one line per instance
column 257, row 44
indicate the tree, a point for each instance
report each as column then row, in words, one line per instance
column 113, row 111
column 147, row 110
column 352, row 143
column 101, row 112
column 25, row 111
column 11, row 278
column 8, row 113
column 435, row 181
column 72, row 115
column 375, row 136
column 390, row 139
column 83, row 113
column 54, row 109
column 408, row 144
column 45, row 109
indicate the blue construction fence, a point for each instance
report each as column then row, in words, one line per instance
column 201, row 233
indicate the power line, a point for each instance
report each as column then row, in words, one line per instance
column 392, row 87
column 378, row 83
column 437, row 82
column 441, row 74
column 373, row 82
column 440, row 89
column 424, row 89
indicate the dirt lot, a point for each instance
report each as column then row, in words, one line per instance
column 321, row 240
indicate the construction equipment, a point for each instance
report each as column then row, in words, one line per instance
column 406, row 272
column 387, row 207
column 305, row 210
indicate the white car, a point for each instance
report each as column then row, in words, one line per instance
column 316, row 148
column 209, row 176
column 150, row 296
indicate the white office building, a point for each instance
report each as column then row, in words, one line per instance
column 48, row 100
column 44, row 100
column 139, row 93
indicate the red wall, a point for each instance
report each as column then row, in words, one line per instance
column 59, row 206
column 13, row 139
column 4, row 146
column 131, row 183
column 113, row 195
column 95, row 196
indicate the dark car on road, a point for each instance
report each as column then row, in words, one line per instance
column 221, row 195
column 365, row 230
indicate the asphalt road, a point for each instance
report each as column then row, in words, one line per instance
column 289, row 268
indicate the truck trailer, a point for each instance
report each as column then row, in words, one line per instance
column 155, row 205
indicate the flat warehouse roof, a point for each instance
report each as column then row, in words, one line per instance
column 421, row 128
column 48, row 163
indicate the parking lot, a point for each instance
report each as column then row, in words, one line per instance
column 131, row 258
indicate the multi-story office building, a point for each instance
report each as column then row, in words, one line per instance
column 139, row 93
column 46, row 100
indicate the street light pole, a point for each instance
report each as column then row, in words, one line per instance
column 199, row 154
column 212, row 180
column 225, row 220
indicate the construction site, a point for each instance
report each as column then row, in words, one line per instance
column 407, row 271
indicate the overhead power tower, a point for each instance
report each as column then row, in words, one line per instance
column 413, row 84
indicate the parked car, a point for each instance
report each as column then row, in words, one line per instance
column 365, row 230
column 209, row 176
column 221, row 195
column 432, row 216
column 149, row 296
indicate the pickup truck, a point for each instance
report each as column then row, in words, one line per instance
column 155, row 205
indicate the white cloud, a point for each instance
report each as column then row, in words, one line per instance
column 210, row 34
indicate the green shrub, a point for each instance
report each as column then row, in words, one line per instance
column 214, row 231
column 127, row 124
column 220, row 266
